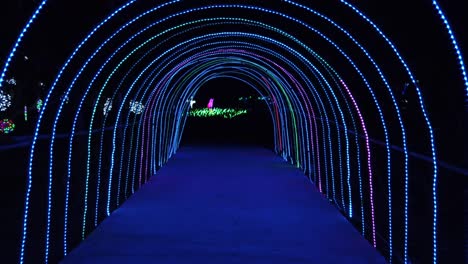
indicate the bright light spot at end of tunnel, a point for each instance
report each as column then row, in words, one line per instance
column 217, row 112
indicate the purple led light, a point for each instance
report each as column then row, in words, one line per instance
column 210, row 103
column 369, row 166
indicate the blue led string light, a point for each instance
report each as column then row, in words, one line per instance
column 428, row 123
column 457, row 49
column 434, row 221
column 36, row 132
column 114, row 132
column 391, row 94
column 18, row 42
column 75, row 79
column 465, row 78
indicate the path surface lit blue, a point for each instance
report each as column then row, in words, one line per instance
column 226, row 205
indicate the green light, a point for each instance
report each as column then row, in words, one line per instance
column 6, row 126
column 227, row 113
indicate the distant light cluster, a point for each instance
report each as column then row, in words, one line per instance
column 338, row 162
column 217, row 112
column 259, row 98
column 136, row 107
column 39, row 104
column 5, row 101
column 12, row 81
column 6, row 126
column 25, row 113
column 107, row 106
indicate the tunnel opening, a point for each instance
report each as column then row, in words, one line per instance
column 375, row 119
column 240, row 116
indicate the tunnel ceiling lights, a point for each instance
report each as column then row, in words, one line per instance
column 290, row 107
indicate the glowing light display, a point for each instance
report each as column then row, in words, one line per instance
column 217, row 112
column 5, row 101
column 318, row 121
column 210, row 103
column 192, row 102
column 11, row 81
column 136, row 107
column 6, row 126
column 39, row 104
column 107, row 106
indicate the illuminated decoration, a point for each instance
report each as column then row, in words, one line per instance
column 5, row 101
column 39, row 104
column 136, row 107
column 107, row 106
column 65, row 99
column 210, row 103
column 217, row 112
column 29, row 184
column 464, row 73
column 460, row 59
column 317, row 119
column 11, row 81
column 18, row 41
column 428, row 124
column 6, row 126
column 245, row 98
column 25, row 113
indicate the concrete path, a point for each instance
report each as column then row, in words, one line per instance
column 226, row 205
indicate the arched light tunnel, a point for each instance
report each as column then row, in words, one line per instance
column 376, row 130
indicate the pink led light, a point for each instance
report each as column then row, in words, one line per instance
column 363, row 124
column 210, row 103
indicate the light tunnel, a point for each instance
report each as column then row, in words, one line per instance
column 365, row 121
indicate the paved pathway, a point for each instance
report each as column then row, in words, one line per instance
column 225, row 205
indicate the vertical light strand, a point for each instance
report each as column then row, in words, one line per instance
column 369, row 164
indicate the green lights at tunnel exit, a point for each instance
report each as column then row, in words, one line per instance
column 226, row 113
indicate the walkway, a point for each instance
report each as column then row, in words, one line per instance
column 226, row 205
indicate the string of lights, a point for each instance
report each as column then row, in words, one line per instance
column 329, row 100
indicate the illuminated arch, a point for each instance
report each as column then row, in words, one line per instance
column 301, row 111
